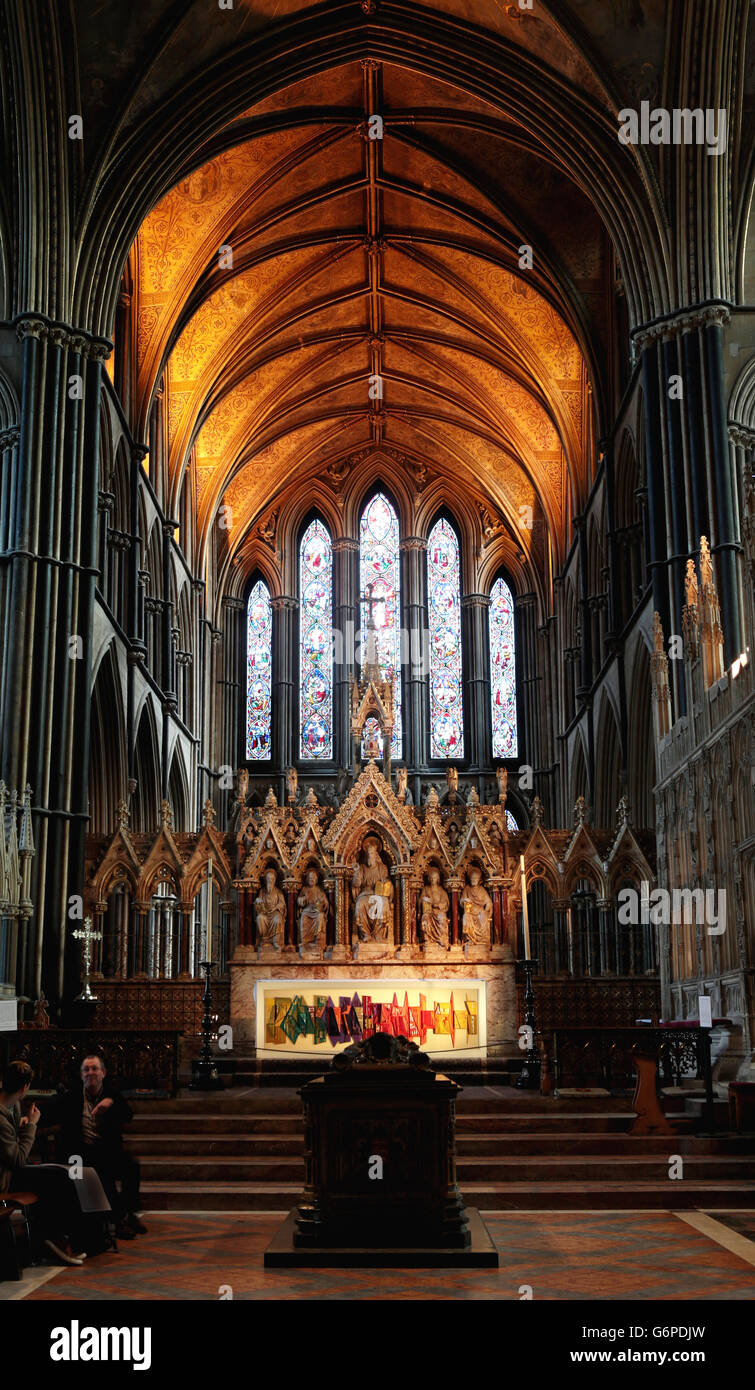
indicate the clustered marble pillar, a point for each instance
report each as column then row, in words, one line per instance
column 49, row 541
column 691, row 479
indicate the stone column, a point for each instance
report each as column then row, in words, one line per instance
column 475, row 609
column 289, row 936
column 402, row 931
column 604, row 906
column 453, row 886
column 140, row 944
column 284, row 736
column 342, row 876
column 345, row 593
column 50, row 570
column 234, row 695
column 186, row 929
column 416, row 655
column 527, row 678
column 692, row 490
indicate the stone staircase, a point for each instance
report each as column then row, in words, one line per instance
column 243, row 1151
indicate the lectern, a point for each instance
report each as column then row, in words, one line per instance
column 380, row 1185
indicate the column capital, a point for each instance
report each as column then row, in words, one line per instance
column 413, row 543
column 282, row 603
column 742, row 436
column 9, row 437
column 476, row 601
column 234, row 605
column 62, row 335
column 712, row 313
column 345, row 543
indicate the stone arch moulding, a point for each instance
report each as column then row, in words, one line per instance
column 620, row 183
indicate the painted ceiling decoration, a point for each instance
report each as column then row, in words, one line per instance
column 311, row 290
column 472, row 261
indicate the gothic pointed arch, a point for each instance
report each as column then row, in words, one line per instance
column 107, row 762
column 380, row 597
column 444, row 591
column 503, row 683
column 641, row 774
column 145, row 802
column 608, row 763
column 259, row 672
column 315, row 687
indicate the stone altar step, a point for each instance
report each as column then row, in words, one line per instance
column 208, row 1142
column 219, row 1145
column 242, row 1151
column 509, row 1196
column 177, row 1122
column 495, row 1145
column 529, row 1168
column 275, row 1072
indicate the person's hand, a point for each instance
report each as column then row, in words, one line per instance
column 32, row 1117
column 103, row 1105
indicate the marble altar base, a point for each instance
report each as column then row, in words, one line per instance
column 414, row 964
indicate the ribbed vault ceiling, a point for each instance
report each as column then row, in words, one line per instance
column 376, row 298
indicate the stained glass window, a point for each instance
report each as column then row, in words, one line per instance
column 444, row 609
column 379, row 575
column 503, row 671
column 511, row 823
column 259, row 645
column 316, row 643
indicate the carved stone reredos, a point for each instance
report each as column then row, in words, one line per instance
column 373, row 805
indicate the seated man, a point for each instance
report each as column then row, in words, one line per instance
column 91, row 1121
column 59, row 1210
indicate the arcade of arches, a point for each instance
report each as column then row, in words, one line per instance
column 349, row 514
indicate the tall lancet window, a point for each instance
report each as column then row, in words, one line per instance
column 444, row 609
column 503, row 671
column 380, row 589
column 259, row 647
column 316, row 643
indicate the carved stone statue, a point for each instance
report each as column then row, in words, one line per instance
column 292, row 785
column 402, row 790
column 242, row 786
column 502, row 778
column 372, row 891
column 434, row 905
column 313, row 910
column 478, row 910
column 40, row 1017
column 452, row 778
column 270, row 912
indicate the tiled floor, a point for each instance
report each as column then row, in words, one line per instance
column 559, row 1255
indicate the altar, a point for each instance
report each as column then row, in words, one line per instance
column 374, row 916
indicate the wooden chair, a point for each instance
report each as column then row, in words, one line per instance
column 10, row 1264
column 23, row 1202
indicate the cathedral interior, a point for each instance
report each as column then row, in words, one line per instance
column 377, row 521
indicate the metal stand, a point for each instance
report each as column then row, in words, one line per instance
column 206, row 1075
column 530, row 1076
column 707, row 1067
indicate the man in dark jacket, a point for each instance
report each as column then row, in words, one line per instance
column 92, row 1121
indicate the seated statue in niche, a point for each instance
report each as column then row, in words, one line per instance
column 270, row 912
column 434, row 908
column 372, row 891
column 313, row 911
column 478, row 910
